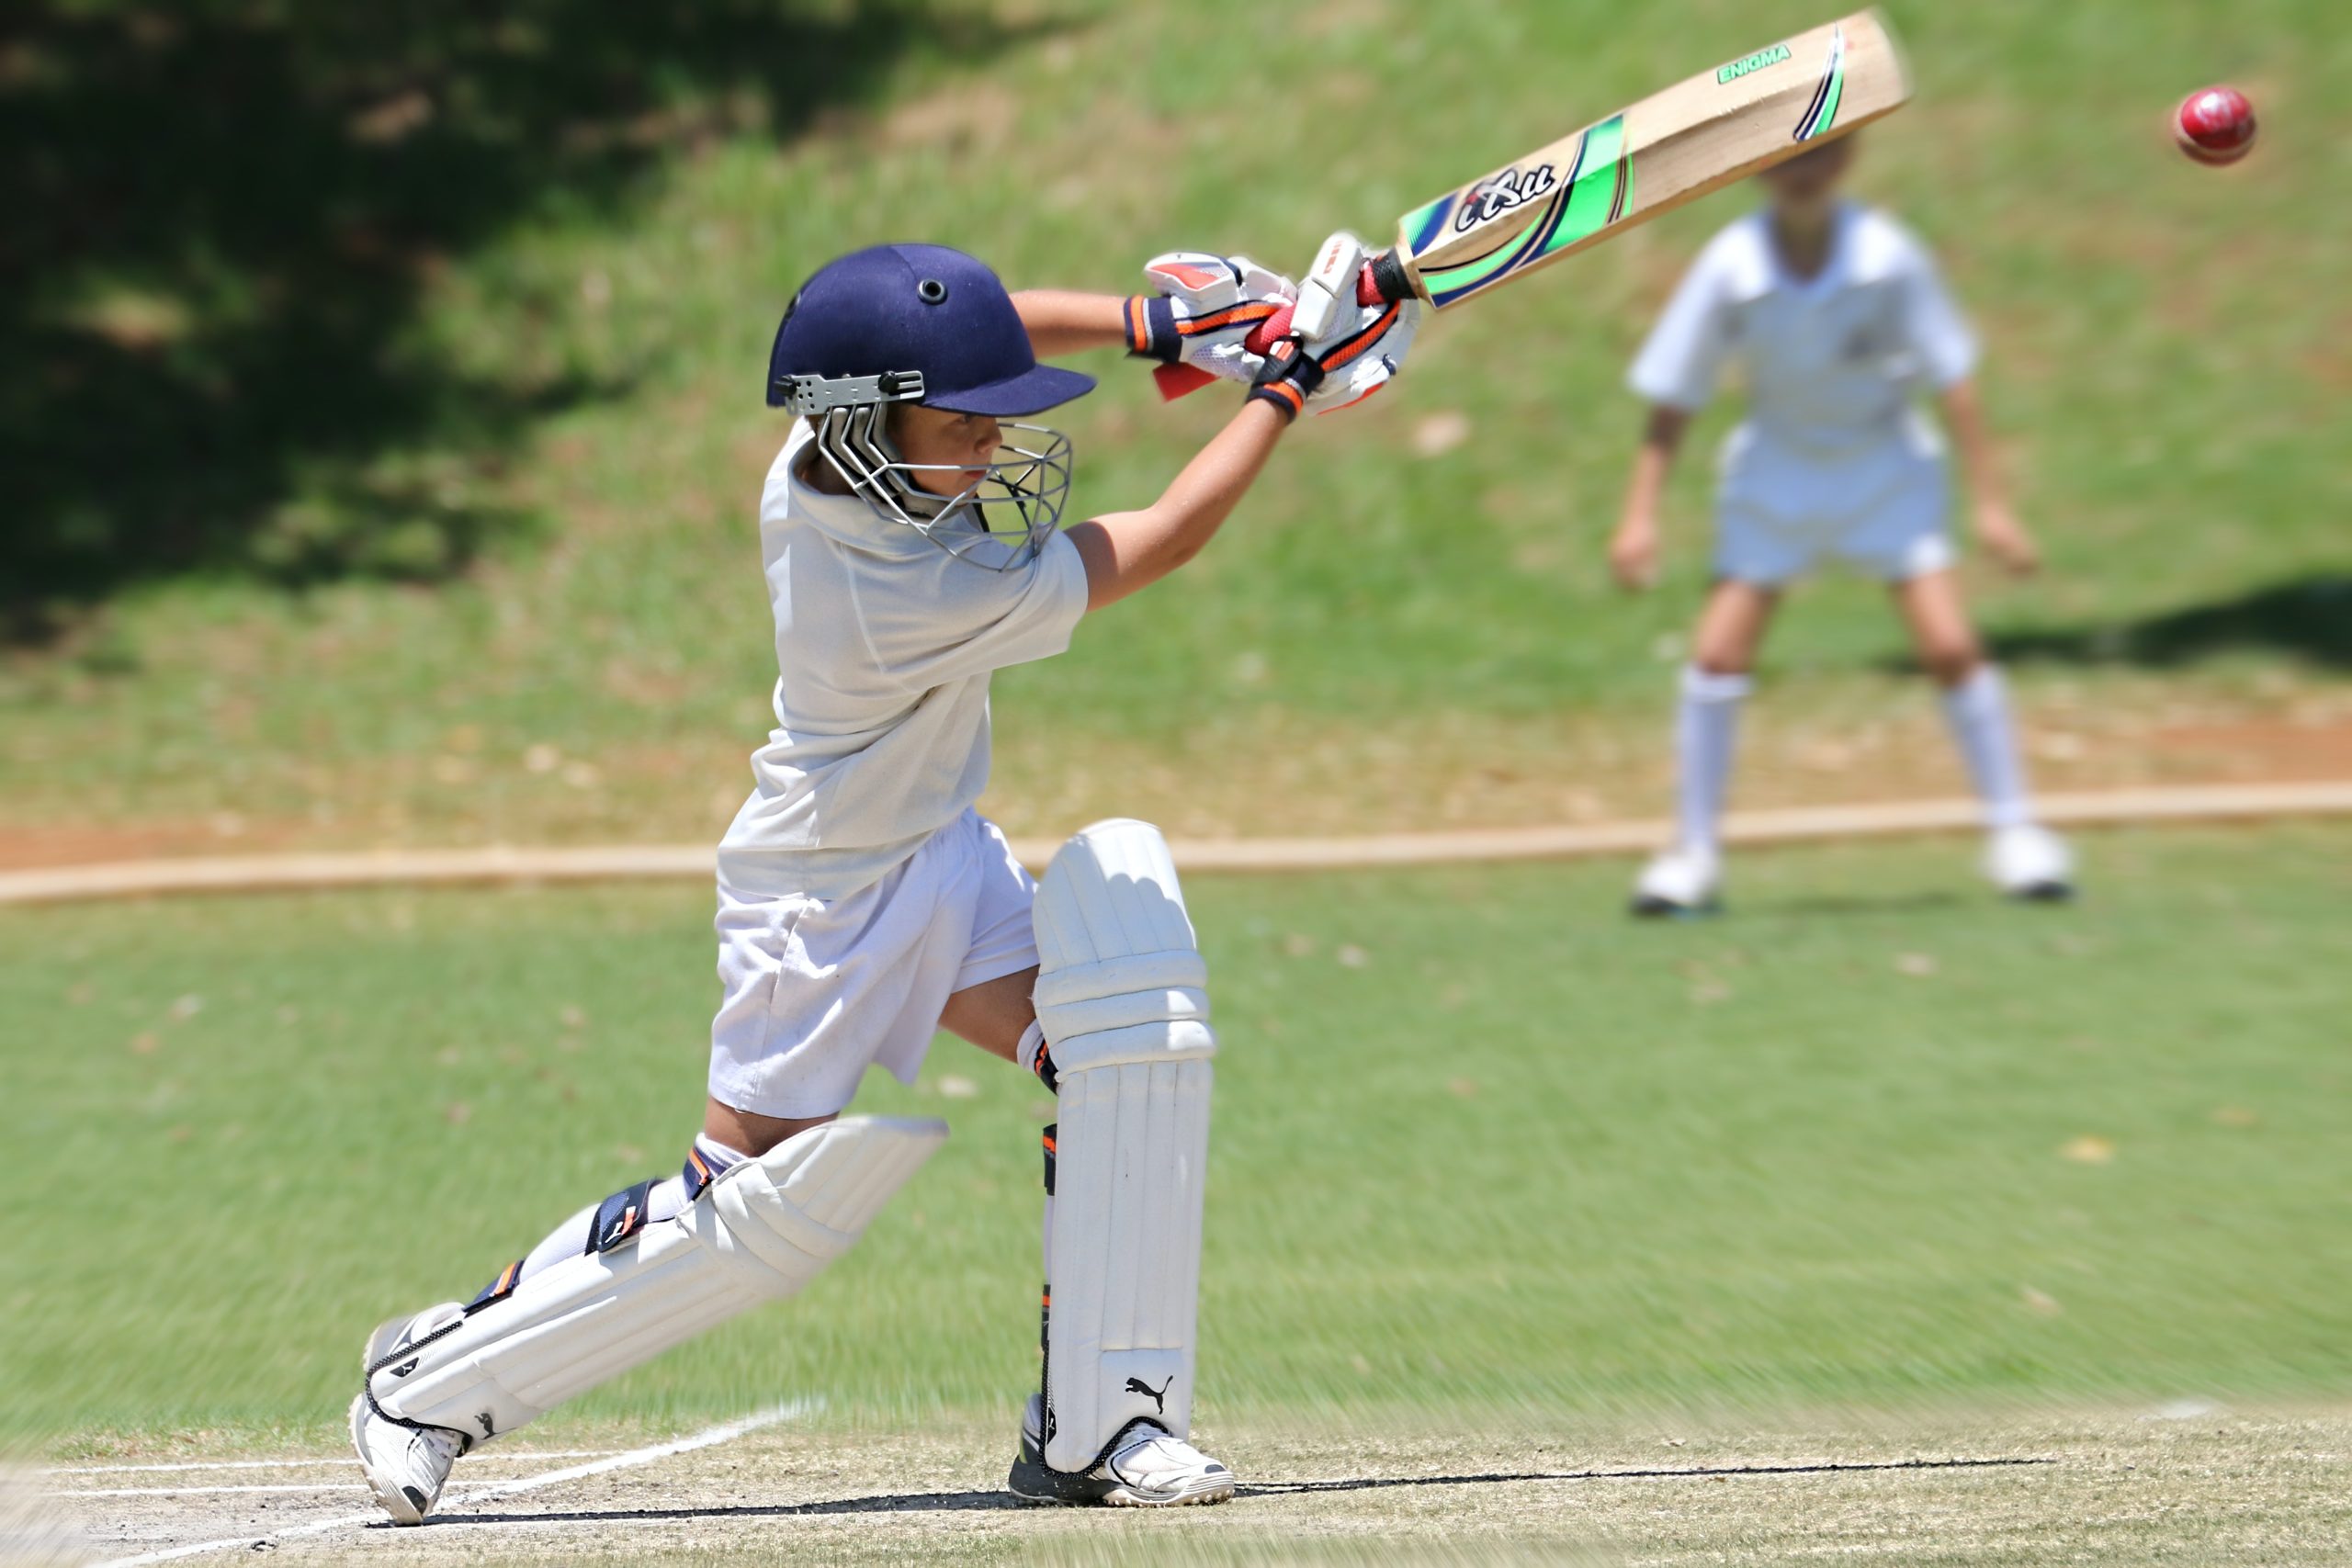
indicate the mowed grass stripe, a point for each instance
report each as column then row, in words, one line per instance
column 1481, row 1143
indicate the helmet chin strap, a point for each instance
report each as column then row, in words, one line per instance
column 918, row 502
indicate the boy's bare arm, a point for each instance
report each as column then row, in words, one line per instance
column 1063, row 321
column 1996, row 524
column 1634, row 551
column 1127, row 550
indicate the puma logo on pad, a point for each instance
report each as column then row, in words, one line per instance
column 1159, row 1395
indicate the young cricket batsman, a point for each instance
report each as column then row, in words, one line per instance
column 909, row 538
column 1837, row 319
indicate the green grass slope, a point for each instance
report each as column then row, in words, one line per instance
column 1383, row 635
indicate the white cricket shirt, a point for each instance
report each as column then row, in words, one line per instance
column 883, row 644
column 1832, row 362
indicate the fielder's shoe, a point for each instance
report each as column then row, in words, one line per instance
column 1147, row 1469
column 405, row 1465
column 2029, row 863
column 1681, row 882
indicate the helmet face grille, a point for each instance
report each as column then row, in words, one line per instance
column 998, row 522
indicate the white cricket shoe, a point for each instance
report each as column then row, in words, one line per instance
column 1681, row 882
column 406, row 1466
column 1145, row 1468
column 2029, row 863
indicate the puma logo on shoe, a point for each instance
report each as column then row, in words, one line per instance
column 1159, row 1395
column 487, row 1429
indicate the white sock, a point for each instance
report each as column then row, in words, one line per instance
column 665, row 1200
column 1978, row 709
column 1706, row 734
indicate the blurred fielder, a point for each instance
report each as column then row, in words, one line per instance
column 910, row 541
column 1836, row 317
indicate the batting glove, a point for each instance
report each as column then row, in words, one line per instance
column 1363, row 352
column 1202, row 313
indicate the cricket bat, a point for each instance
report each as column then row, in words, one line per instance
column 1673, row 146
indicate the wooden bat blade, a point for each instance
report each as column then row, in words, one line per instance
column 1672, row 147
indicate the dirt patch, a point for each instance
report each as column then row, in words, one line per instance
column 1270, row 774
column 2275, row 752
column 25, row 848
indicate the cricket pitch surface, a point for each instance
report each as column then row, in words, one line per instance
column 2188, row 1483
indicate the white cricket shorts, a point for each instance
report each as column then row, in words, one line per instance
column 815, row 989
column 1879, row 509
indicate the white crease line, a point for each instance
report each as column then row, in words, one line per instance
column 791, row 1410
column 311, row 1462
column 702, row 1440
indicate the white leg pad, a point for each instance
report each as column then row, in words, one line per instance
column 764, row 1230
column 1122, row 999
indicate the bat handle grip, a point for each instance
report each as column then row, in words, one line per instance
column 1382, row 281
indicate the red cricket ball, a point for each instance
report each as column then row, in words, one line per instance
column 2214, row 125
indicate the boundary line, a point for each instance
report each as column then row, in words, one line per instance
column 705, row 1438
column 508, row 865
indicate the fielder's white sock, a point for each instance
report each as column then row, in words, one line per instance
column 1978, row 710
column 1706, row 734
column 663, row 1201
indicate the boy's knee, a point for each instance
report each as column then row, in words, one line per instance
column 747, row 1133
column 1951, row 662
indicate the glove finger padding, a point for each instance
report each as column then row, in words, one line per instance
column 1204, row 311
column 1363, row 354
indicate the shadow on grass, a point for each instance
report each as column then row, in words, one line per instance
column 224, row 215
column 1836, row 905
column 992, row 1502
column 2308, row 618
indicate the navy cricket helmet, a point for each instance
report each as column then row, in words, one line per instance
column 920, row 311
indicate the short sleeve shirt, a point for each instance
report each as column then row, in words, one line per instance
column 1828, row 361
column 884, row 645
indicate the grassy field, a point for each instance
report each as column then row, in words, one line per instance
column 1484, row 1151
column 495, row 579
column 383, row 462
